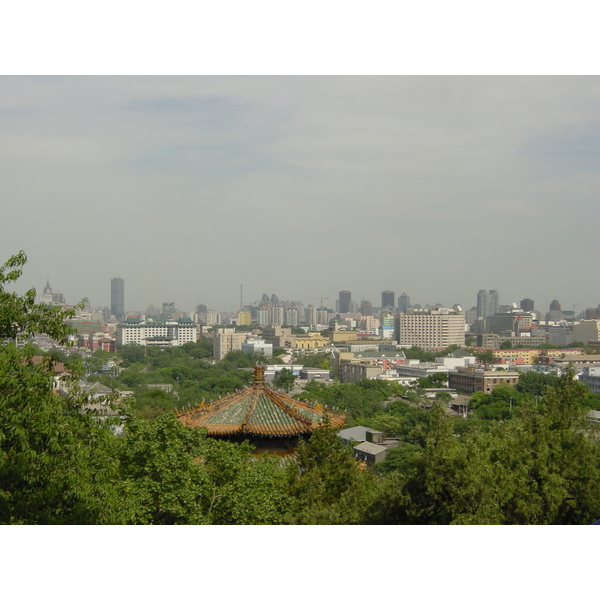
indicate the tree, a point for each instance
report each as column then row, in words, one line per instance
column 540, row 467
column 325, row 484
column 160, row 475
column 56, row 461
column 485, row 356
column 284, row 380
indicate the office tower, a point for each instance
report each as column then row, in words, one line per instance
column 388, row 299
column 527, row 304
column 201, row 309
column 344, row 302
column 117, row 297
column 366, row 308
column 488, row 303
column 592, row 313
column 555, row 305
column 274, row 299
column 403, row 302
column 168, row 308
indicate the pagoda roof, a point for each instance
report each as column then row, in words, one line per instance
column 258, row 410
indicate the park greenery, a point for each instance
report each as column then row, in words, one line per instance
column 62, row 464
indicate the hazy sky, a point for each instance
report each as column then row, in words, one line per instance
column 188, row 187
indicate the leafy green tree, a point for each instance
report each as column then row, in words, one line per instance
column 56, row 461
column 244, row 489
column 499, row 404
column 174, row 474
column 398, row 458
column 541, row 467
column 284, row 380
column 159, row 461
column 325, row 484
column 535, row 383
column 485, row 356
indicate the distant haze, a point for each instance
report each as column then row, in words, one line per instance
column 187, row 187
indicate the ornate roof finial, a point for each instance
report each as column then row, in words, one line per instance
column 259, row 374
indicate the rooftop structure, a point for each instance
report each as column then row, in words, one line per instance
column 272, row 421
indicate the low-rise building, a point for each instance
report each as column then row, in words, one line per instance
column 312, row 373
column 134, row 332
column 470, row 380
column 353, row 371
column 257, row 346
column 591, row 377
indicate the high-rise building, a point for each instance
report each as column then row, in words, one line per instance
column 344, row 302
column 168, row 308
column 527, row 304
column 277, row 316
column 555, row 305
column 227, row 340
column 366, row 308
column 322, row 317
column 310, row 317
column 592, row 313
column 388, row 299
column 430, row 329
column 244, row 317
column 403, row 302
column 488, row 303
column 117, row 297
column 292, row 316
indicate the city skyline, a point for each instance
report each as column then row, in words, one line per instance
column 328, row 302
column 302, row 186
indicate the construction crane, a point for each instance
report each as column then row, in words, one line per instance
column 318, row 298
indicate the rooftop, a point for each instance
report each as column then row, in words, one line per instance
column 258, row 410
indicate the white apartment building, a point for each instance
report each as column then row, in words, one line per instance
column 310, row 316
column 277, row 316
column 262, row 317
column 430, row 329
column 322, row 317
column 226, row 341
column 143, row 333
column 213, row 318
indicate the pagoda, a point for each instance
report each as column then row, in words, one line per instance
column 270, row 420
